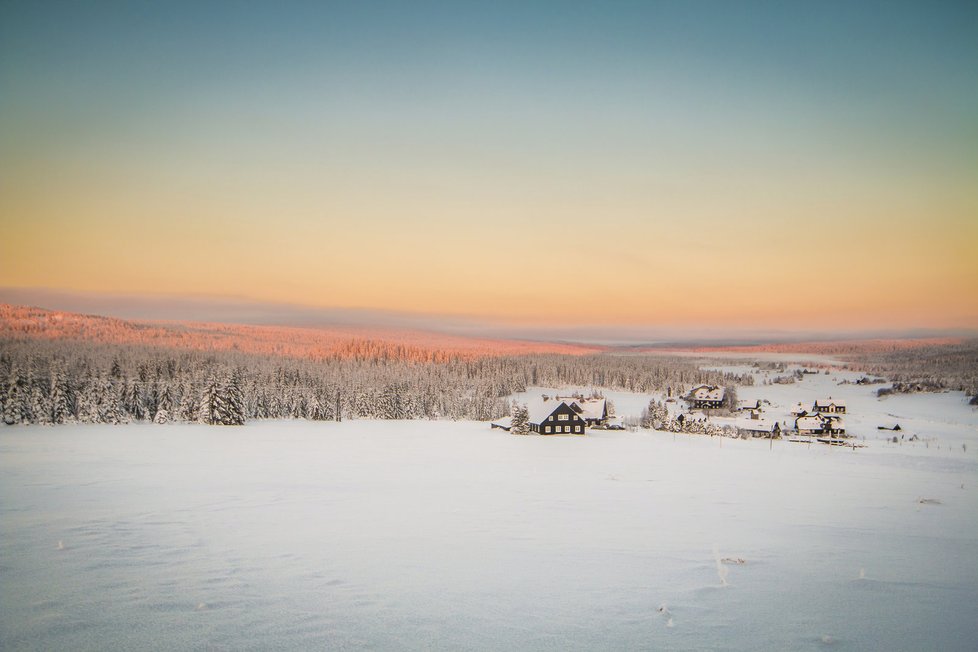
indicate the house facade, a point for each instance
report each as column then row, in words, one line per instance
column 820, row 424
column 759, row 427
column 829, row 406
column 555, row 418
column 706, row 396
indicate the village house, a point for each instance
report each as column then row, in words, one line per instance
column 594, row 411
column 820, row 424
column 758, row 427
column 753, row 408
column 554, row 417
column 706, row 396
column 809, row 425
column 799, row 410
column 829, row 406
column 561, row 415
column 834, row 425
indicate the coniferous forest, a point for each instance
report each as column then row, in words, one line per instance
column 52, row 381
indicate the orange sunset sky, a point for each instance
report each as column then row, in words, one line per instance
column 664, row 165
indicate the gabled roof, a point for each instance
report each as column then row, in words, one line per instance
column 820, row 421
column 749, row 405
column 592, row 408
column 707, row 393
column 757, row 425
column 810, row 422
column 824, row 402
column 586, row 408
column 539, row 409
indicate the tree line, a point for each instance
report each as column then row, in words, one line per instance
column 45, row 381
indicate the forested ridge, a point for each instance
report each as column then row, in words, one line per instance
column 54, row 381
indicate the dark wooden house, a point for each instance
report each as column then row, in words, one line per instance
column 706, row 396
column 555, row 418
column 829, row 406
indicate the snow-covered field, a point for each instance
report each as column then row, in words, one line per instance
column 442, row 535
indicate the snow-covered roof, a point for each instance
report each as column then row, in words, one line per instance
column 799, row 407
column 825, row 402
column 505, row 423
column 707, row 393
column 820, row 421
column 749, row 405
column 810, row 422
column 540, row 408
column 592, row 408
column 756, row 425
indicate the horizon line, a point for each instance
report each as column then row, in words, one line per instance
column 244, row 311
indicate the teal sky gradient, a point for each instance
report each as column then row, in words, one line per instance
column 482, row 123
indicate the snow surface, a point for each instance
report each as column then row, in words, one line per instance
column 455, row 536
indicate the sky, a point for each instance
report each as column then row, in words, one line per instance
column 683, row 165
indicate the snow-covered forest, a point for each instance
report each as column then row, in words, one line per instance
column 931, row 368
column 46, row 381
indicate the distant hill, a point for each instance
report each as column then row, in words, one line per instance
column 23, row 323
column 837, row 347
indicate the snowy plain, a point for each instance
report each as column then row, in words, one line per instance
column 452, row 536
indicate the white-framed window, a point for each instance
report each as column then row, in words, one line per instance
column 563, row 417
column 546, row 429
column 577, row 429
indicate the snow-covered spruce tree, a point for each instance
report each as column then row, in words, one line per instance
column 520, row 424
column 132, row 401
column 234, row 403
column 211, row 408
column 189, row 404
column 164, row 404
column 88, row 400
column 40, row 405
column 60, row 396
column 655, row 415
column 111, row 408
column 13, row 403
column 390, row 403
column 162, row 416
column 730, row 398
